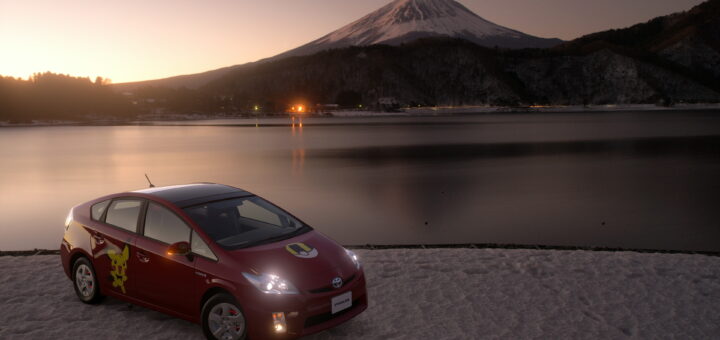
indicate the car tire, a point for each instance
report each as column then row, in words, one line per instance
column 85, row 281
column 222, row 318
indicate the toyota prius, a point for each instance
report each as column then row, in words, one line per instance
column 215, row 255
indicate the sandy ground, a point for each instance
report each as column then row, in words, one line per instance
column 428, row 294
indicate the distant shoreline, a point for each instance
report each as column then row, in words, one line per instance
column 449, row 246
column 420, row 112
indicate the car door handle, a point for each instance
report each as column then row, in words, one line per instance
column 142, row 257
column 99, row 239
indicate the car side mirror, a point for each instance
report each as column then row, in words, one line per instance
column 179, row 248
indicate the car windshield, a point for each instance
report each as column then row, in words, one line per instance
column 244, row 222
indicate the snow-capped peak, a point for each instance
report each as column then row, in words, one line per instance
column 401, row 17
column 401, row 11
column 405, row 20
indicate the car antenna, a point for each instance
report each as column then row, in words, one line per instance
column 148, row 179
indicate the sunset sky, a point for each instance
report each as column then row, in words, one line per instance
column 137, row 40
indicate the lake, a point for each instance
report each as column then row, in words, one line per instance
column 632, row 180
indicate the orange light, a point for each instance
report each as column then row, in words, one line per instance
column 298, row 108
column 279, row 322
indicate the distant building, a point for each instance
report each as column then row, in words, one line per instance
column 388, row 104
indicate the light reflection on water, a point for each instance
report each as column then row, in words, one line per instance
column 628, row 180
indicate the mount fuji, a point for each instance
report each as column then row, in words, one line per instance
column 402, row 21
column 398, row 22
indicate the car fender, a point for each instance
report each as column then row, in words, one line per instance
column 69, row 257
column 214, row 286
column 76, row 242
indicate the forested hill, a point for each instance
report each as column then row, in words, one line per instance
column 50, row 96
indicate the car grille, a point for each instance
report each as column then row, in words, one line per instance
column 330, row 288
column 320, row 318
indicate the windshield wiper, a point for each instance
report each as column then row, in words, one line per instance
column 280, row 237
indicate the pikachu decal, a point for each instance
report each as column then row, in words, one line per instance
column 119, row 267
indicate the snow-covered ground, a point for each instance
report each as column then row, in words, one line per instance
column 476, row 109
column 428, row 294
column 465, row 110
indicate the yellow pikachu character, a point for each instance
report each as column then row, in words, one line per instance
column 119, row 267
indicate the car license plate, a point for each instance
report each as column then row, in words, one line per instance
column 341, row 302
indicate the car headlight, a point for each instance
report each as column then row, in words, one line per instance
column 353, row 257
column 271, row 284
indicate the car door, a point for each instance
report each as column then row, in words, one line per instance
column 167, row 281
column 113, row 243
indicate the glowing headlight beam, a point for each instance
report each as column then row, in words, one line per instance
column 271, row 284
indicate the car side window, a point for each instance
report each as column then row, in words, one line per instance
column 163, row 225
column 249, row 209
column 98, row 209
column 124, row 213
column 198, row 246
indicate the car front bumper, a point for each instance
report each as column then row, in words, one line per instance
column 305, row 313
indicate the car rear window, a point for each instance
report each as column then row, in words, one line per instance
column 98, row 209
column 124, row 214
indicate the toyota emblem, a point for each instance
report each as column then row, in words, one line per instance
column 337, row 282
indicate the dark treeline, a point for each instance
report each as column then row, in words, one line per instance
column 152, row 99
column 50, row 96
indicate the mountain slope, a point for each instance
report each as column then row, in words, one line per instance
column 191, row 81
column 667, row 60
column 443, row 71
column 401, row 21
column 671, row 59
column 690, row 40
column 405, row 20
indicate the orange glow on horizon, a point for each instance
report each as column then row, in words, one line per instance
column 144, row 40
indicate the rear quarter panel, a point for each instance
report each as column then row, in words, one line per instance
column 76, row 239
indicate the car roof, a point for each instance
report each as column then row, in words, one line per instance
column 191, row 194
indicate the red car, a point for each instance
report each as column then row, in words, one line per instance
column 214, row 255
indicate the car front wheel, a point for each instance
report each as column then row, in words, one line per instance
column 222, row 318
column 86, row 285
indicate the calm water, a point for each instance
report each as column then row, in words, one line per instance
column 638, row 180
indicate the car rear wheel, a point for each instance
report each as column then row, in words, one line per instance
column 222, row 318
column 86, row 285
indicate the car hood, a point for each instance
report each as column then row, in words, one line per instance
column 309, row 261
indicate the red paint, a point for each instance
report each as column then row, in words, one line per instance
column 176, row 284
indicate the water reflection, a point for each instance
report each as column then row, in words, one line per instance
column 298, row 161
column 298, row 151
column 296, row 125
column 634, row 147
column 610, row 180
